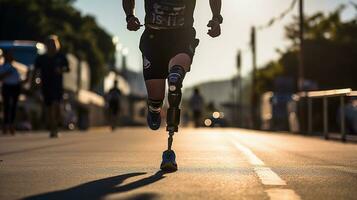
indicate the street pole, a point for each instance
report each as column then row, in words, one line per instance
column 254, row 81
column 79, row 75
column 300, row 78
column 239, row 92
column 301, row 55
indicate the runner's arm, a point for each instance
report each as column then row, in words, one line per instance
column 129, row 7
column 216, row 6
column 133, row 23
column 65, row 65
column 36, row 70
column 217, row 19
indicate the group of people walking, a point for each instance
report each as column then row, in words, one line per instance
column 10, row 76
column 168, row 47
column 50, row 68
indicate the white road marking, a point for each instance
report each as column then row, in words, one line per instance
column 253, row 159
column 265, row 174
column 282, row 194
column 268, row 177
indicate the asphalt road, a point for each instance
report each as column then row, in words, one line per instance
column 213, row 164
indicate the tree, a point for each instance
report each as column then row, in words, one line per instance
column 80, row 35
column 330, row 53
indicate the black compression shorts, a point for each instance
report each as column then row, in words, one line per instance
column 158, row 47
column 52, row 96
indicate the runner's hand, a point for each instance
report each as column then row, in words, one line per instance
column 215, row 28
column 133, row 24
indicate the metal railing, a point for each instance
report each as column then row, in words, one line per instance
column 325, row 95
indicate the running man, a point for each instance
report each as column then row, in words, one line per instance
column 168, row 46
column 196, row 105
column 113, row 98
column 51, row 66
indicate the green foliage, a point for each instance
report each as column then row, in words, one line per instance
column 80, row 35
column 330, row 53
column 266, row 76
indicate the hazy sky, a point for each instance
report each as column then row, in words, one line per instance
column 215, row 58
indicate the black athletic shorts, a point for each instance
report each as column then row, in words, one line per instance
column 158, row 47
column 114, row 107
column 52, row 96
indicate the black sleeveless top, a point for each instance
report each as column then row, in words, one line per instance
column 169, row 14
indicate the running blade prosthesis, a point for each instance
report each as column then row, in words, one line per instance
column 173, row 116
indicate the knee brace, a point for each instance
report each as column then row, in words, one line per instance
column 175, row 78
column 154, row 105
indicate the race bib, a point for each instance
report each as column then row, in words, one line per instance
column 168, row 13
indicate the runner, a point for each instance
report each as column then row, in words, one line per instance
column 168, row 46
column 113, row 101
column 51, row 66
column 196, row 105
column 10, row 76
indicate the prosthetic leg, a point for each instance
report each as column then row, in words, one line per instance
column 175, row 79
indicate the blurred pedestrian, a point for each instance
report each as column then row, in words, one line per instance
column 51, row 66
column 196, row 105
column 10, row 76
column 113, row 101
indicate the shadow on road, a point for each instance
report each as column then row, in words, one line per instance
column 36, row 148
column 98, row 189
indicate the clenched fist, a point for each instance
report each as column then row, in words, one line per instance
column 133, row 23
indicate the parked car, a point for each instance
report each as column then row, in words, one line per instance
column 215, row 119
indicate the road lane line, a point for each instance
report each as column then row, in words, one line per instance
column 265, row 174
column 253, row 159
column 282, row 194
column 268, row 177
